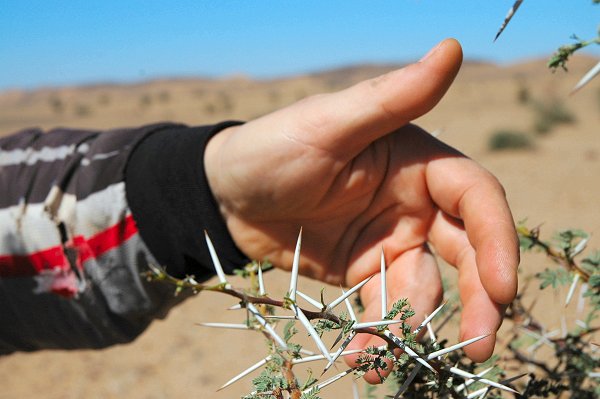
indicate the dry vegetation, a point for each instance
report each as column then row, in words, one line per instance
column 554, row 182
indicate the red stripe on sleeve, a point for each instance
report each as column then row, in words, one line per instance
column 54, row 257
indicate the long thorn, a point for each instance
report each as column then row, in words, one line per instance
column 572, row 289
column 508, row 17
column 378, row 323
column 355, row 394
column 245, row 372
column 383, row 286
column 429, row 318
column 312, row 332
column 452, row 348
column 279, row 317
column 225, row 325
column 408, row 350
column 340, row 350
column 313, row 358
column 346, row 294
column 331, row 380
column 591, row 74
column 431, row 333
column 310, row 300
column 261, row 282
column 259, row 317
column 215, row 259
column 471, row 381
column 295, row 268
column 466, row 374
column 481, row 391
column 351, row 313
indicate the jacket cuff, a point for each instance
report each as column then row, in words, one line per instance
column 171, row 201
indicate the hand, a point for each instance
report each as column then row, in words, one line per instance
column 351, row 171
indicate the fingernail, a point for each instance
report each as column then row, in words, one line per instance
column 431, row 52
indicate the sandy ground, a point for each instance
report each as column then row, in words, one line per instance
column 554, row 184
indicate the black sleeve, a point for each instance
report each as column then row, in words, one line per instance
column 171, row 202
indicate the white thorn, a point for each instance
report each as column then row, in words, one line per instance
column 563, row 326
column 225, row 325
column 346, row 294
column 483, row 391
column 261, row 282
column 313, row 358
column 442, row 352
column 408, row 350
column 572, row 289
column 266, row 325
column 237, row 306
column 591, row 74
column 215, row 259
column 378, row 323
column 310, row 300
column 480, row 393
column 428, row 318
column 383, row 286
column 471, row 381
column 581, row 298
column 408, row 381
column 246, row 372
column 279, row 317
column 355, row 394
column 311, row 331
column 579, row 247
column 295, row 268
column 351, row 313
column 331, row 380
column 339, row 352
column 431, row 333
column 466, row 374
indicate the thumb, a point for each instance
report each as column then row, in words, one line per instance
column 359, row 115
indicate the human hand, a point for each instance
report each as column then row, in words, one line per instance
column 351, row 171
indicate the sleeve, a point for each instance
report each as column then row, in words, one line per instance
column 82, row 214
column 170, row 198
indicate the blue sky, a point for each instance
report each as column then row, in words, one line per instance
column 48, row 42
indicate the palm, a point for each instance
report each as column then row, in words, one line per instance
column 347, row 169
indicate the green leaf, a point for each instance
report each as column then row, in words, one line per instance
column 555, row 278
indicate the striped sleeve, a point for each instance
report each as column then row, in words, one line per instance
column 71, row 245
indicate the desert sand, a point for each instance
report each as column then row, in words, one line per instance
column 554, row 184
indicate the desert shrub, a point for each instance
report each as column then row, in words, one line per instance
column 56, row 104
column 428, row 366
column 163, row 96
column 523, row 95
column 104, row 99
column 509, row 140
column 82, row 110
column 548, row 115
column 145, row 100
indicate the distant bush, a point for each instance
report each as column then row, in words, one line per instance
column 548, row 115
column 164, row 96
column 509, row 139
column 523, row 95
column 145, row 100
column 82, row 110
column 104, row 99
column 56, row 104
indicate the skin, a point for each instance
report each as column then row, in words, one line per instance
column 350, row 169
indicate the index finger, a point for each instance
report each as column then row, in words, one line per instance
column 465, row 190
